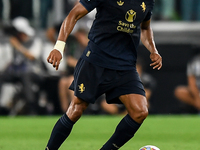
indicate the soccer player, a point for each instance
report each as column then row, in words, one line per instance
column 108, row 65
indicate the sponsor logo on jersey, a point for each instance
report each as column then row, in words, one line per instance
column 130, row 15
column 129, row 27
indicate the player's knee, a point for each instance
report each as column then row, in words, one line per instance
column 140, row 114
column 79, row 108
column 77, row 113
column 76, row 109
column 144, row 114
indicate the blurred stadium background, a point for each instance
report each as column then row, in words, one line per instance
column 176, row 26
column 177, row 38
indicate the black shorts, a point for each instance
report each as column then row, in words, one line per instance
column 91, row 81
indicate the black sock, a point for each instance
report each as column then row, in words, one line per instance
column 60, row 132
column 123, row 133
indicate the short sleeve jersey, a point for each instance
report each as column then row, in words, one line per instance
column 115, row 33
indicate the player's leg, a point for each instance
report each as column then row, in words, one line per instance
column 136, row 106
column 86, row 77
column 64, row 125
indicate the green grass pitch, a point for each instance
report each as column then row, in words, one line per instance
column 168, row 132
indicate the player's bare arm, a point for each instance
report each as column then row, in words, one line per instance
column 148, row 41
column 68, row 24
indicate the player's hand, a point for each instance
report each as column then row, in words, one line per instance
column 156, row 61
column 54, row 58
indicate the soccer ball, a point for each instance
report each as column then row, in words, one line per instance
column 149, row 147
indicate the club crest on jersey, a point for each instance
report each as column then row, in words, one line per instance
column 143, row 6
column 120, row 3
column 130, row 15
column 81, row 88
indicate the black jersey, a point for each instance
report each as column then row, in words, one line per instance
column 115, row 33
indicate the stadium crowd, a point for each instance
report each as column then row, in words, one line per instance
column 28, row 31
column 41, row 12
